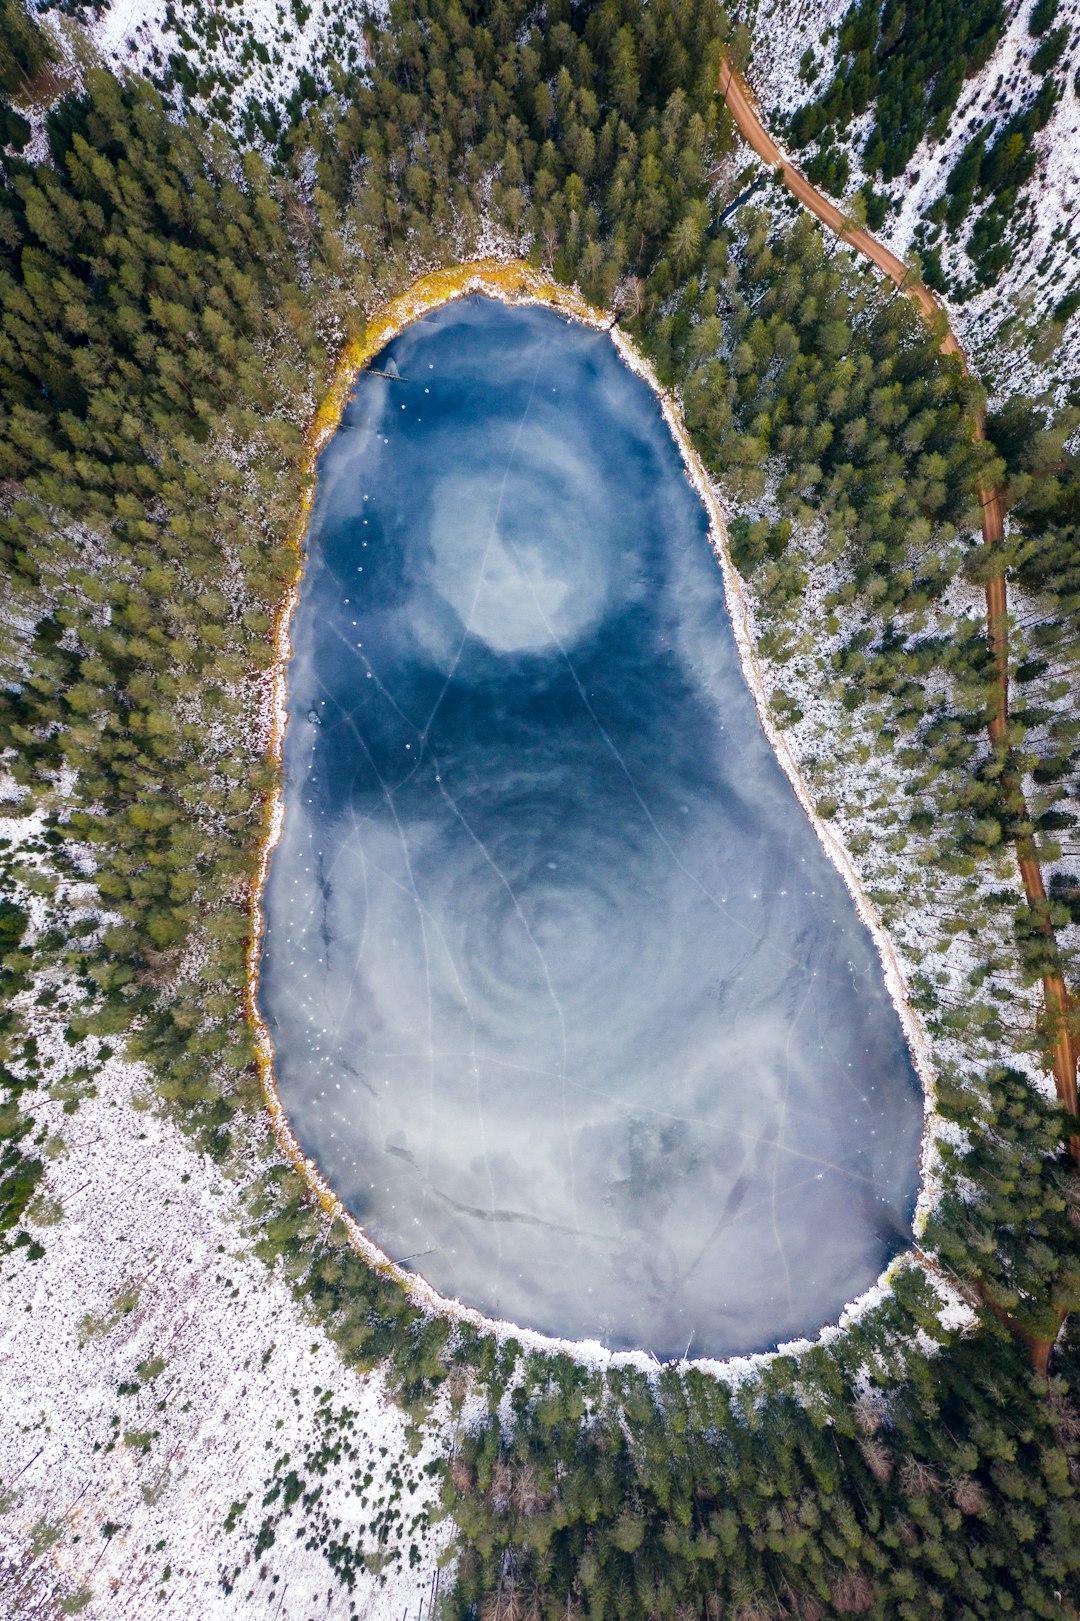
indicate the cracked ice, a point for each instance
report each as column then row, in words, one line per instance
column 566, row 999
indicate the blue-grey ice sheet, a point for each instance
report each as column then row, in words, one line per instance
column 567, row 1000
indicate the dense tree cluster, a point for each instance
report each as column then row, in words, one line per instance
column 1043, row 554
column 908, row 59
column 941, row 1489
column 845, row 388
column 26, row 51
column 1043, row 466
column 991, row 170
column 155, row 344
column 590, row 138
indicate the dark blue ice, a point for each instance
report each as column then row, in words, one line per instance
column 567, row 1001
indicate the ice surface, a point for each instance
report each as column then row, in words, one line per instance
column 567, row 1000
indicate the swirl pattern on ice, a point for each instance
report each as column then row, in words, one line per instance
column 566, row 999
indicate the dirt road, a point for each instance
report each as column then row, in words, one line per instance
column 740, row 104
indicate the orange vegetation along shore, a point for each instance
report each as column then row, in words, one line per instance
column 992, row 503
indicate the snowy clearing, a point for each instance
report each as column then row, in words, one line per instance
column 157, row 1376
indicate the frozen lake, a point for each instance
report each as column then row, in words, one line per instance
column 568, row 1002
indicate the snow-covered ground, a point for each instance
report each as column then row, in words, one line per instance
column 158, row 1381
column 255, row 54
column 1001, row 326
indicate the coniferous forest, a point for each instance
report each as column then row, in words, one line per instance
column 174, row 300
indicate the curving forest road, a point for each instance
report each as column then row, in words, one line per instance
column 734, row 90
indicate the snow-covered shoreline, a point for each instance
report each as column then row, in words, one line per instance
column 515, row 282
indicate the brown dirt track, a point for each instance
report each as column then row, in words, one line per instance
column 992, row 502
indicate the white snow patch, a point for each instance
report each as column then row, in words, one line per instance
column 152, row 1226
